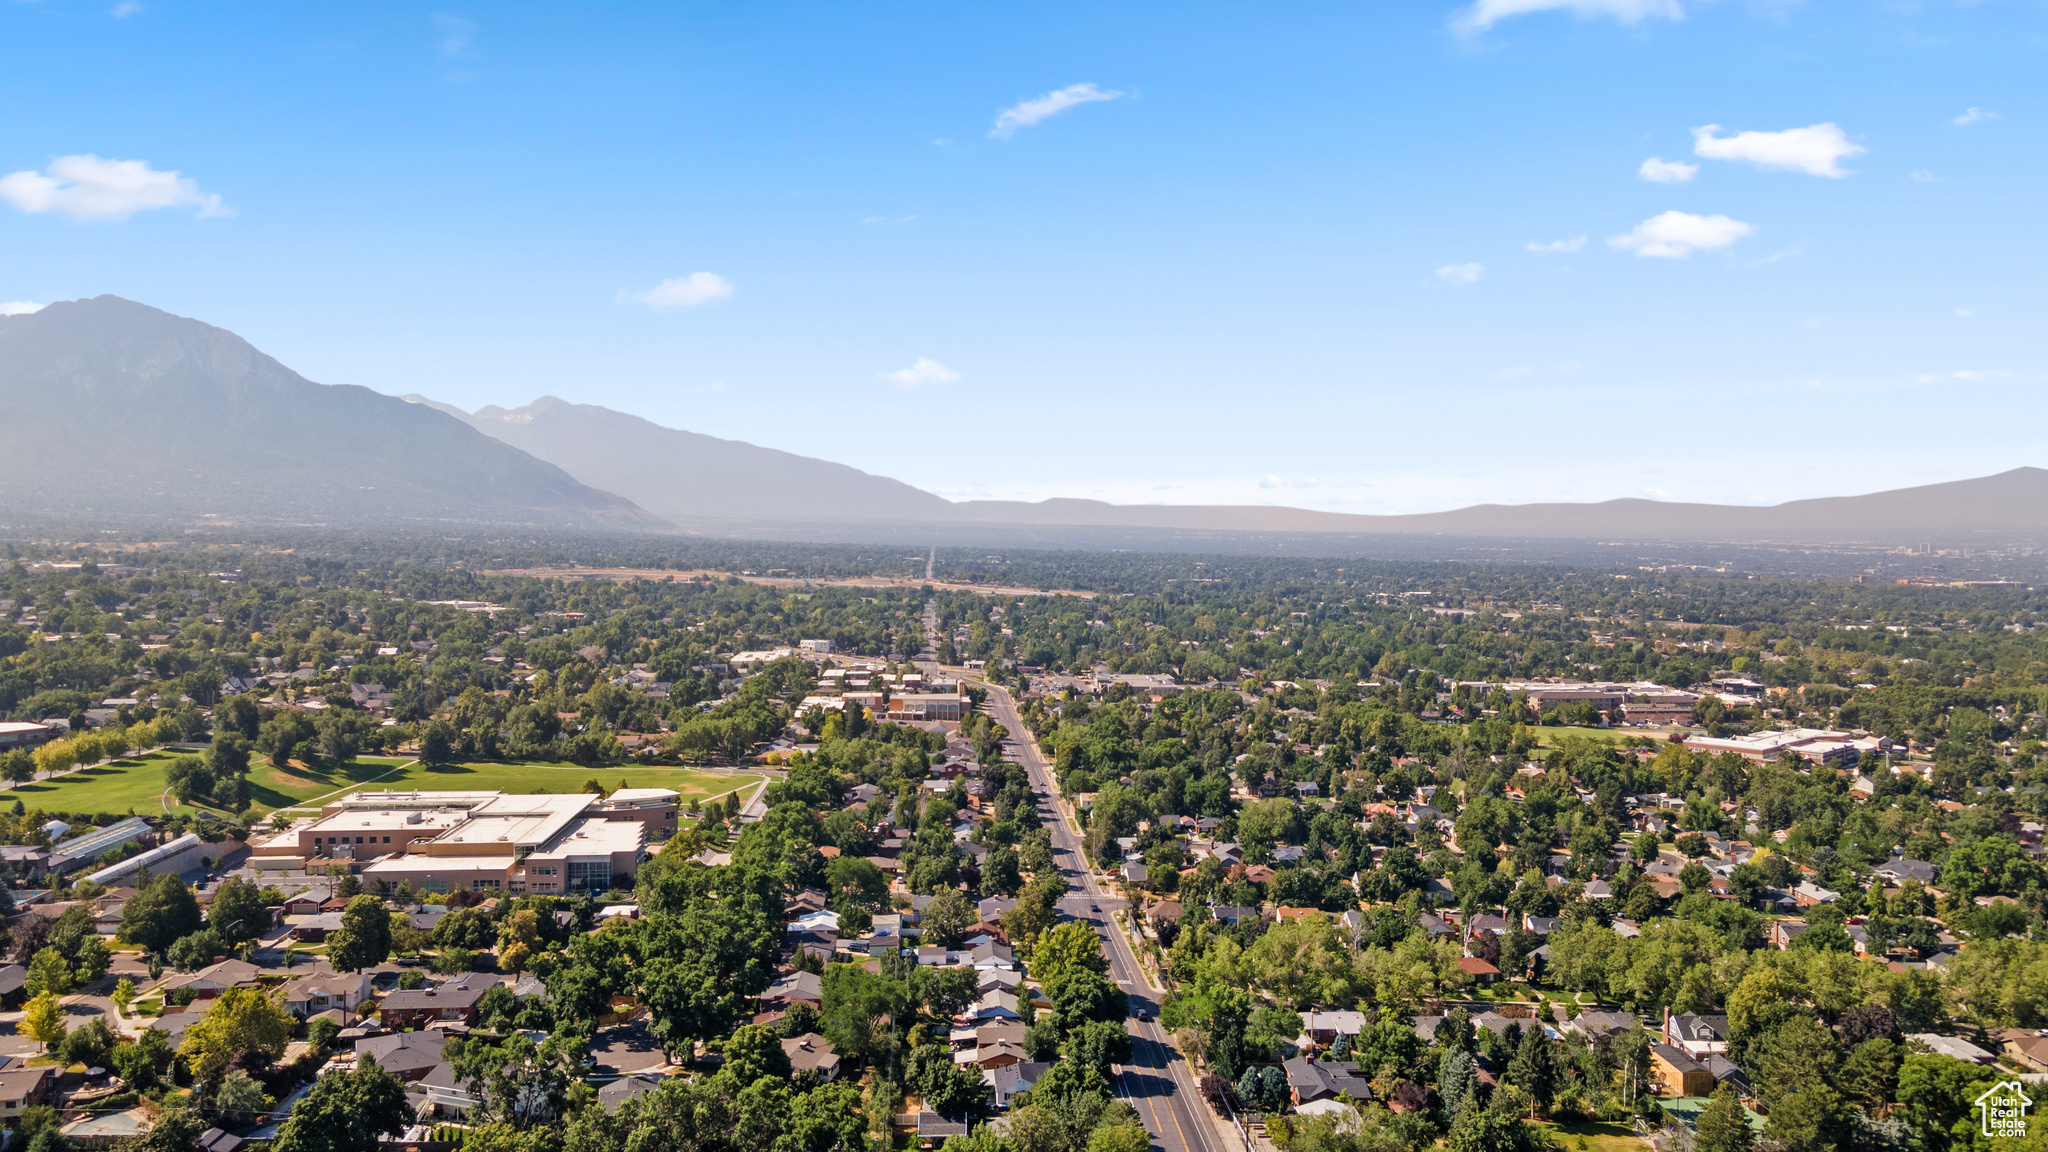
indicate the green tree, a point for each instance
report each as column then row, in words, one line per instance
column 43, row 1019
column 1724, row 1124
column 754, row 1051
column 241, row 1020
column 944, row 921
column 1534, row 1069
column 1073, row 945
column 160, row 915
column 1816, row 1119
column 364, row 938
column 1100, row 1043
column 49, row 972
column 1079, row 995
column 346, row 1112
column 143, row 1063
column 91, row 1044
column 238, row 912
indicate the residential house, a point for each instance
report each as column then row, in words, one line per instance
column 1325, row 1027
column 996, row 1006
column 1697, row 1036
column 1309, row 1080
column 1954, row 1047
column 1679, row 1074
column 1479, row 970
column 612, row 1095
column 1006, row 1082
column 211, row 981
column 24, row 1088
column 1899, row 869
column 812, row 1053
column 312, row 995
column 455, row 1000
column 1783, row 932
column 406, row 1055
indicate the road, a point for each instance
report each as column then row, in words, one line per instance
column 1159, row 1083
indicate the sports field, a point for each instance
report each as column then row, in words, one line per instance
column 137, row 783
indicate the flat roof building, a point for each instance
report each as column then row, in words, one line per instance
column 484, row 841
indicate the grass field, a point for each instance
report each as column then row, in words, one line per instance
column 692, row 783
column 1594, row 1136
column 137, row 783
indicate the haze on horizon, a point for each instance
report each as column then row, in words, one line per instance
column 1337, row 257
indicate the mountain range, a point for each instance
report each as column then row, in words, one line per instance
column 113, row 409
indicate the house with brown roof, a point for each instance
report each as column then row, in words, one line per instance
column 1479, row 970
column 455, row 1000
column 813, row 1053
column 1679, row 1074
column 24, row 1088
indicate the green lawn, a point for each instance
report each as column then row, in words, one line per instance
column 1593, row 1136
column 692, row 783
column 137, row 783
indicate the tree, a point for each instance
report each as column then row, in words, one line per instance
column 1074, row 944
column 48, row 972
column 196, row 950
column 1457, row 1082
column 1100, row 1043
column 238, row 912
column 945, row 992
column 754, row 1051
column 175, row 1130
column 948, row 1088
column 364, row 938
column 944, row 921
column 241, row 1020
column 91, row 1044
column 1079, row 995
column 240, row 1099
column 346, row 1112
column 123, row 994
column 1534, row 1069
column 143, row 1063
column 43, row 1019
column 160, row 915
column 1816, row 1119
column 1723, row 1124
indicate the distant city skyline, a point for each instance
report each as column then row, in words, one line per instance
column 1368, row 259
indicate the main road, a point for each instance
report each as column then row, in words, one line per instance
column 1159, row 1083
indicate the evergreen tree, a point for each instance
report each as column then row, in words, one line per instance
column 1723, row 1126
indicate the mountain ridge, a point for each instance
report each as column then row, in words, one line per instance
column 113, row 408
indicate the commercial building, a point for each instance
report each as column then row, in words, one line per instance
column 1815, row 745
column 482, row 841
column 25, row 736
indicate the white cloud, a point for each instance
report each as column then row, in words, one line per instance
column 1667, row 171
column 1557, row 247
column 125, row 9
column 1041, row 108
column 19, row 308
column 1964, row 313
column 1964, row 374
column 86, row 187
column 1486, row 13
column 457, row 34
column 1461, row 274
column 1974, row 116
column 1814, row 150
column 1513, row 373
column 925, row 371
column 687, row 291
column 1676, row 235
column 1923, row 176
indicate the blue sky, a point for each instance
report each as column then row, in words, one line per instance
column 1364, row 256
